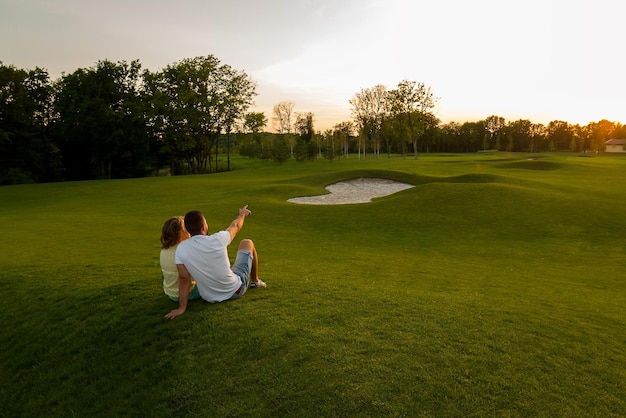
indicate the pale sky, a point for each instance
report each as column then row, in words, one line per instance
column 541, row 60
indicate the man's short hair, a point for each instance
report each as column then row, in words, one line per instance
column 194, row 221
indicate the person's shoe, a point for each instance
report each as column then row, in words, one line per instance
column 258, row 284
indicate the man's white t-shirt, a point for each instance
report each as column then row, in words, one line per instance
column 206, row 259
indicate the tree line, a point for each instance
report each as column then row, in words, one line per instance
column 402, row 121
column 117, row 120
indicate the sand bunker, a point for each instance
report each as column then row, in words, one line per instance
column 361, row 190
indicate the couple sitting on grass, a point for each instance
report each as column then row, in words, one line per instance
column 196, row 265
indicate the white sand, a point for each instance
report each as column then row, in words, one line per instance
column 361, row 190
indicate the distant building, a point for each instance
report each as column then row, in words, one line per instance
column 616, row 145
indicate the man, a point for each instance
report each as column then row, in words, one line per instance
column 205, row 258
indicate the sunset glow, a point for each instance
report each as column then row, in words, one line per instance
column 538, row 60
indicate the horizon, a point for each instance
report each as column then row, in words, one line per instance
column 535, row 60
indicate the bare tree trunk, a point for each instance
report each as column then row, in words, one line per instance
column 217, row 147
column 228, row 152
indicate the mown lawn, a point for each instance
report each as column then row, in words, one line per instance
column 495, row 287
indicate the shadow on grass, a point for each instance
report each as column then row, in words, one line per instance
column 88, row 350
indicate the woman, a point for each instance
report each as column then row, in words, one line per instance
column 172, row 234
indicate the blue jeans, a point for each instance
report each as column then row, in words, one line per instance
column 242, row 268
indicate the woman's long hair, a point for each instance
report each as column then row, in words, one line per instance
column 171, row 232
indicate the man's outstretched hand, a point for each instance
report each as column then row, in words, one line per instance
column 244, row 211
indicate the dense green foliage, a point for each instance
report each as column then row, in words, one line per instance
column 494, row 287
column 116, row 121
column 100, row 125
column 27, row 152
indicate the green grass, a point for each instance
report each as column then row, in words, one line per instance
column 495, row 287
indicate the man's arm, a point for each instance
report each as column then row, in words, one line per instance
column 184, row 280
column 237, row 223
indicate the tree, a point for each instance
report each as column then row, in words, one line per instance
column 331, row 145
column 493, row 126
column 283, row 115
column 100, row 126
column 26, row 151
column 578, row 138
column 599, row 133
column 238, row 91
column 519, row 135
column 193, row 102
column 619, row 131
column 343, row 132
column 473, row 134
column 254, row 122
column 185, row 96
column 559, row 135
column 415, row 102
column 537, row 136
column 305, row 148
column 396, row 134
column 304, row 126
column 451, row 136
column 280, row 149
column 369, row 110
column 429, row 123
